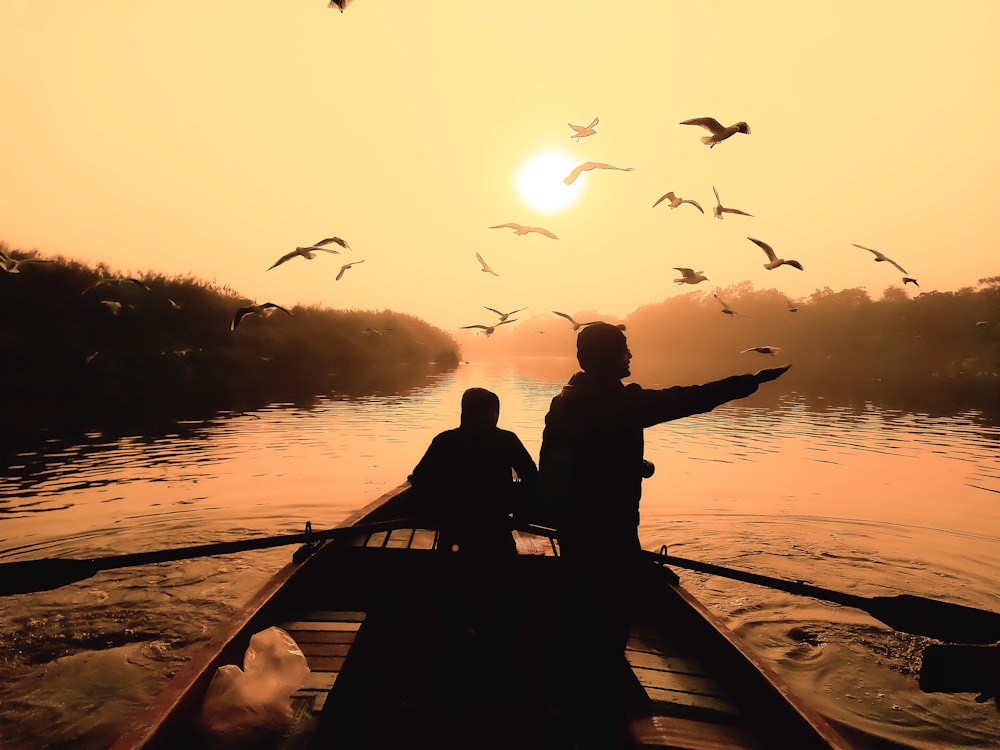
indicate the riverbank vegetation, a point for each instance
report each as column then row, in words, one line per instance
column 84, row 348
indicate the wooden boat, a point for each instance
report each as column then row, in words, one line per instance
column 363, row 608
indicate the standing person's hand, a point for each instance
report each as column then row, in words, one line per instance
column 773, row 373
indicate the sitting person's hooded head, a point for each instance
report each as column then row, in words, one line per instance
column 480, row 408
column 601, row 348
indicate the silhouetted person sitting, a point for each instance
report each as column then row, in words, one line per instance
column 466, row 479
column 591, row 467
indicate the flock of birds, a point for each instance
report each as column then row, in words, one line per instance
column 717, row 133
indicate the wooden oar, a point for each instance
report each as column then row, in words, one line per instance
column 943, row 621
column 50, row 573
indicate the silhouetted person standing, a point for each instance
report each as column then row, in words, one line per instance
column 591, row 466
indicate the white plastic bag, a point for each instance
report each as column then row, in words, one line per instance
column 256, row 698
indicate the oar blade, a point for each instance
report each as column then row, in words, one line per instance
column 943, row 621
column 43, row 575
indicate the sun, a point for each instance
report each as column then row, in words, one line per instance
column 540, row 182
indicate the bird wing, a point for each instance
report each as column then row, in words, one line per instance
column 793, row 264
column 495, row 311
column 694, row 203
column 543, row 230
column 724, row 305
column 687, row 273
column 593, row 122
column 717, row 198
column 273, row 306
column 517, row 310
column 478, row 325
column 240, row 314
column 733, row 211
column 881, row 256
column 662, row 198
column 508, row 225
column 765, row 247
column 571, row 177
column 285, row 258
column 564, row 315
column 709, row 123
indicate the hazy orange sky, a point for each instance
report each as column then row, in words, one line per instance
column 210, row 138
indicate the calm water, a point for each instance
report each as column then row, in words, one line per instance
column 865, row 501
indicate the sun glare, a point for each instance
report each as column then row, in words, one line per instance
column 540, row 182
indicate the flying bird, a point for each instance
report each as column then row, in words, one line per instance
column 675, row 201
column 720, row 209
column 763, row 350
column 589, row 165
column 123, row 280
column 489, row 329
column 10, row 264
column 343, row 268
column 339, row 4
column 113, row 305
column 576, row 326
column 791, row 307
column 520, row 229
column 486, row 268
column 582, row 131
column 881, row 257
column 264, row 310
column 309, row 251
column 726, row 309
column 773, row 260
column 505, row 315
column 719, row 132
column 690, row 277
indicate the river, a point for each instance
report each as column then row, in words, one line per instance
column 857, row 499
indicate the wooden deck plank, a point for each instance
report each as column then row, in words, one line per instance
column 685, row 734
column 314, row 626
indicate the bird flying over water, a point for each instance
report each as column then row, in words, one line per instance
column 582, row 131
column 486, row 268
column 309, row 251
column 589, row 165
column 576, row 326
column 505, row 315
column 773, row 260
column 881, row 257
column 489, row 329
column 264, row 309
column 520, row 229
column 720, row 209
column 763, row 350
column 690, row 277
column 719, row 132
column 675, row 201
column 343, row 268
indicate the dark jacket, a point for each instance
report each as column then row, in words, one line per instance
column 466, row 478
column 591, row 457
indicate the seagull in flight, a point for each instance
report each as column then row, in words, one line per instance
column 689, row 276
column 486, row 268
column 576, row 326
column 124, row 280
column 263, row 310
column 773, row 260
column 582, row 131
column 489, row 329
column 505, row 315
column 910, row 280
column 726, row 309
column 675, row 201
column 719, row 132
column 589, row 165
column 881, row 257
column 772, row 350
column 720, row 209
column 791, row 307
column 343, row 268
column 309, row 251
column 520, row 229
column 10, row 264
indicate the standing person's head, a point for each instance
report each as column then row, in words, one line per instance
column 480, row 408
column 601, row 348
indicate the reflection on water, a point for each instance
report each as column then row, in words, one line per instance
column 863, row 500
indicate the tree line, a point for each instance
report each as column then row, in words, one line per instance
column 84, row 348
